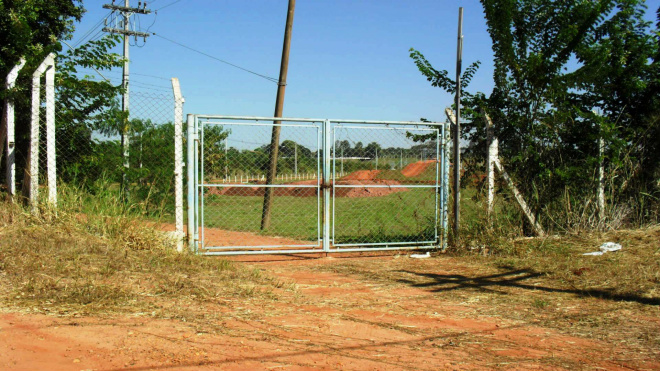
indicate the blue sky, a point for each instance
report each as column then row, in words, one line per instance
column 349, row 59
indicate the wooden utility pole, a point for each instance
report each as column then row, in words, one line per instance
column 457, row 127
column 279, row 106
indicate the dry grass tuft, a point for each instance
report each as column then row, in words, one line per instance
column 73, row 263
column 631, row 274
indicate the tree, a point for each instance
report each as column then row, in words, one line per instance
column 32, row 28
column 372, row 149
column 555, row 63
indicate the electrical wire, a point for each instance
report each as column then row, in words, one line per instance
column 172, row 3
column 271, row 79
column 152, row 76
column 91, row 30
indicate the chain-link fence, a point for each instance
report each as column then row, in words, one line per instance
column 386, row 185
column 62, row 140
column 338, row 185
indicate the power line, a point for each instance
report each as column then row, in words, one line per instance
column 271, row 79
column 172, row 3
column 91, row 30
column 94, row 68
column 152, row 76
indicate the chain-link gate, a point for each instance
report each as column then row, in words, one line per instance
column 340, row 185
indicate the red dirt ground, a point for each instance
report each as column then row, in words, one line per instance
column 335, row 321
column 362, row 175
column 416, row 168
column 220, row 237
column 357, row 178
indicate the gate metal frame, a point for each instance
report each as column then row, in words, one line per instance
column 326, row 168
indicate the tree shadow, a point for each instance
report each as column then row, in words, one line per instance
column 511, row 279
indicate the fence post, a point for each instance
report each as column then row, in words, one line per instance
column 51, row 161
column 178, row 162
column 601, row 180
column 190, row 168
column 32, row 173
column 445, row 185
column 8, row 133
column 492, row 155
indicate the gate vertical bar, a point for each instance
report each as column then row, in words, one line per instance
column 438, row 164
column 200, row 191
column 319, row 196
column 326, row 186
column 197, row 188
column 190, row 169
column 334, row 177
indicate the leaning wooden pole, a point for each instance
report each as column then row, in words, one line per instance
column 279, row 106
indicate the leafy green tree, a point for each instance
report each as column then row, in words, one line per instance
column 619, row 77
column 555, row 63
column 85, row 105
column 32, row 28
column 372, row 149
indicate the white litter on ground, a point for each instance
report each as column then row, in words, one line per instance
column 421, row 256
column 604, row 248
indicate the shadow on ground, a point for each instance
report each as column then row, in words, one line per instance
column 510, row 279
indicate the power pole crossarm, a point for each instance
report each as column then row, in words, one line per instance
column 128, row 9
column 127, row 33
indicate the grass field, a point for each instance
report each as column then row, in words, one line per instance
column 401, row 216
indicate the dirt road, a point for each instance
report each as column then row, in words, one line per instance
column 384, row 312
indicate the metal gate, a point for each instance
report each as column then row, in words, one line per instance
column 341, row 185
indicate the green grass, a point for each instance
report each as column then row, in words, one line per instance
column 401, row 216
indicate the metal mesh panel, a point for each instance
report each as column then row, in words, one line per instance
column 81, row 149
column 386, row 184
column 339, row 186
column 233, row 177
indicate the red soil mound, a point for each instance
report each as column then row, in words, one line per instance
column 416, row 168
column 356, row 192
column 362, row 175
column 292, row 190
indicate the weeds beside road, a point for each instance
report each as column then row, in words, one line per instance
column 106, row 291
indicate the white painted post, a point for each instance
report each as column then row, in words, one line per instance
column 32, row 175
column 601, row 180
column 521, row 201
column 178, row 162
column 51, row 161
column 490, row 160
column 191, row 179
column 8, row 123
